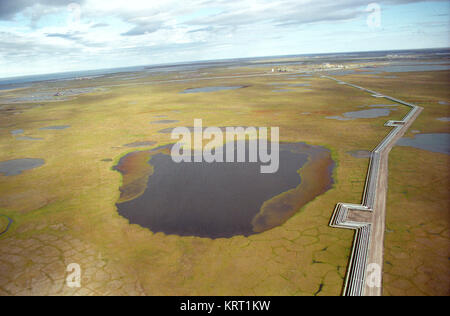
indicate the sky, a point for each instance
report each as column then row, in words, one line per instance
column 48, row 36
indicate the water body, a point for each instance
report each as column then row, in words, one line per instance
column 14, row 86
column 212, row 200
column 17, row 132
column 28, row 138
column 212, row 89
column 416, row 55
column 50, row 95
column 444, row 103
column 341, row 72
column 141, row 144
column 365, row 114
column 300, row 85
column 444, row 119
column 170, row 129
column 411, row 67
column 372, row 113
column 282, row 90
column 17, row 166
column 164, row 122
column 439, row 143
column 55, row 127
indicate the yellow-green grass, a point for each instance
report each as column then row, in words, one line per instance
column 417, row 244
column 418, row 237
column 76, row 188
column 3, row 223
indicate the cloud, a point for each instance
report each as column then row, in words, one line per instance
column 204, row 29
column 143, row 28
column 99, row 25
column 149, row 31
column 287, row 12
column 9, row 8
column 65, row 36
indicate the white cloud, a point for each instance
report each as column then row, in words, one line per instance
column 119, row 33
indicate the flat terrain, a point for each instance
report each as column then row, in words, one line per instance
column 417, row 224
column 3, row 224
column 64, row 211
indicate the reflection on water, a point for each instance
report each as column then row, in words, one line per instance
column 439, row 143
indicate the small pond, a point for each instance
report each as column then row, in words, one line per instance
column 212, row 89
column 439, row 142
column 55, row 127
column 164, row 122
column 364, row 114
column 17, row 166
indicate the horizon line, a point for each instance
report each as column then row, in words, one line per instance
column 211, row 60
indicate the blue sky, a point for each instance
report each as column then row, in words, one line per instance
column 45, row 36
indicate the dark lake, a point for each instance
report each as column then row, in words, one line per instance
column 211, row 199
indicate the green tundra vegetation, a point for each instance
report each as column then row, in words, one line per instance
column 65, row 211
column 3, row 223
column 417, row 236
